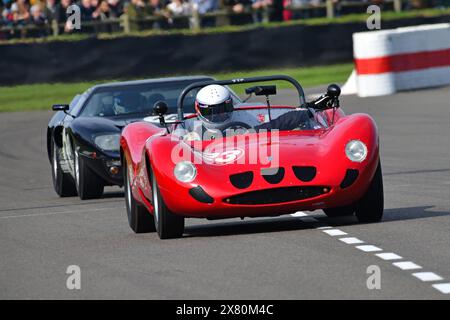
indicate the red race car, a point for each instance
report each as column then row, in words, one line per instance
column 251, row 165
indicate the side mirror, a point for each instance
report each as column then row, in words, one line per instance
column 333, row 91
column 160, row 108
column 60, row 107
column 262, row 90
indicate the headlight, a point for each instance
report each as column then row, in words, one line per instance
column 356, row 151
column 108, row 142
column 185, row 171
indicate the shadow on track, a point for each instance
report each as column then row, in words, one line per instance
column 115, row 194
column 247, row 227
column 291, row 224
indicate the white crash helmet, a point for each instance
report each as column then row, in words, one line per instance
column 214, row 104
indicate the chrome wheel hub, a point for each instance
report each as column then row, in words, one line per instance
column 77, row 170
column 128, row 189
column 55, row 161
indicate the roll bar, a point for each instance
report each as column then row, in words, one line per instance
column 301, row 94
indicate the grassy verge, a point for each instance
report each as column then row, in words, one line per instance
column 42, row 96
column 385, row 16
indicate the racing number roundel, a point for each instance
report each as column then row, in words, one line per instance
column 225, row 157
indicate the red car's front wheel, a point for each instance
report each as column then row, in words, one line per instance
column 371, row 206
column 168, row 225
column 139, row 219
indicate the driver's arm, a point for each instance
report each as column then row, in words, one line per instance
column 287, row 121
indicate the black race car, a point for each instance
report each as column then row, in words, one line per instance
column 83, row 136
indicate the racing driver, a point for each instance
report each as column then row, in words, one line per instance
column 214, row 107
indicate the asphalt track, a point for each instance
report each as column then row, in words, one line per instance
column 275, row 258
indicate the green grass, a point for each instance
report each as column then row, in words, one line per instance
column 357, row 18
column 42, row 96
column 38, row 96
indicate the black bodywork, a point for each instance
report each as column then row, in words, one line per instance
column 68, row 131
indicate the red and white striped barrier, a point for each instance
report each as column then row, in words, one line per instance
column 408, row 58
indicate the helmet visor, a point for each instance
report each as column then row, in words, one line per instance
column 217, row 112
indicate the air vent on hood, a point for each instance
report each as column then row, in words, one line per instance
column 273, row 175
column 242, row 180
column 304, row 174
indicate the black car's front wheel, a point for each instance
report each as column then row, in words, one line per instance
column 62, row 182
column 168, row 225
column 371, row 206
column 139, row 219
column 89, row 185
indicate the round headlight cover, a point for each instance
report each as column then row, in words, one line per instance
column 185, row 171
column 109, row 142
column 356, row 151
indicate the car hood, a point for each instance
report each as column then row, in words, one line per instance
column 93, row 125
column 85, row 129
column 306, row 158
column 262, row 150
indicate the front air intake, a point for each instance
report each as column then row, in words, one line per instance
column 350, row 177
column 277, row 195
column 200, row 195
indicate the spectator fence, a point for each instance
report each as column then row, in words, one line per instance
column 221, row 17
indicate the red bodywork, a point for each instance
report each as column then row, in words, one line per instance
column 144, row 144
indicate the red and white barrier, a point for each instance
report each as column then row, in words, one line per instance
column 408, row 58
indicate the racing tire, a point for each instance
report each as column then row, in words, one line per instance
column 139, row 219
column 168, row 225
column 62, row 182
column 89, row 185
column 339, row 211
column 371, row 206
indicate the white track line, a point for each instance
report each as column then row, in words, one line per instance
column 388, row 256
column 368, row 248
column 407, row 265
column 427, row 276
column 442, row 287
column 351, row 240
column 334, row 232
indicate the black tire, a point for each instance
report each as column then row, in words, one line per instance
column 62, row 182
column 89, row 185
column 340, row 211
column 371, row 206
column 168, row 225
column 139, row 219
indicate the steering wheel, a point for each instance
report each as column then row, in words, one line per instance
column 235, row 125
